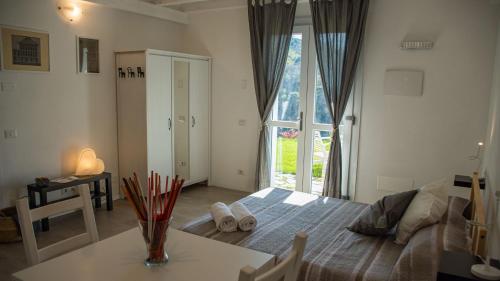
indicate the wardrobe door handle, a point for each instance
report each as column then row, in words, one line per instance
column 193, row 121
column 169, row 124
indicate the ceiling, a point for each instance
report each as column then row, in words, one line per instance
column 198, row 5
column 177, row 10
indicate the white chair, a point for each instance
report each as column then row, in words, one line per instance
column 320, row 153
column 286, row 270
column 27, row 217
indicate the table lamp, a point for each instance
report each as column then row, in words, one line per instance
column 486, row 270
column 88, row 163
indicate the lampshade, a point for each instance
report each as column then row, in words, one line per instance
column 88, row 163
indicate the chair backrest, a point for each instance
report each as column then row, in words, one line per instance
column 287, row 270
column 27, row 217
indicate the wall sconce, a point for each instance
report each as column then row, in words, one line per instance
column 416, row 45
column 478, row 155
column 478, row 151
column 88, row 163
column 71, row 11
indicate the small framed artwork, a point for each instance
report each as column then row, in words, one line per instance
column 88, row 55
column 25, row 50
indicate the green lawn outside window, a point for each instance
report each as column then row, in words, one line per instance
column 286, row 156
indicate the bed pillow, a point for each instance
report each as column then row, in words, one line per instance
column 383, row 215
column 426, row 208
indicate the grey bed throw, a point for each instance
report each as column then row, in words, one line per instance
column 332, row 251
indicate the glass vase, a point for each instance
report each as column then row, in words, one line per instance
column 155, row 241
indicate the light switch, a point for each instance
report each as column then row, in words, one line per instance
column 10, row 133
column 8, row 87
column 242, row 122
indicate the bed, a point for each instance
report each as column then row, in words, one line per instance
column 332, row 251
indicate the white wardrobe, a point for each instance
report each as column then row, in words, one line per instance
column 163, row 101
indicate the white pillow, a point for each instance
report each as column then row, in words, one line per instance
column 426, row 208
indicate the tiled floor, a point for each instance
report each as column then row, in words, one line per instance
column 193, row 202
column 288, row 181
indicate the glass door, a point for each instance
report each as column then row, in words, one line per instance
column 301, row 125
column 287, row 119
column 318, row 136
column 318, row 131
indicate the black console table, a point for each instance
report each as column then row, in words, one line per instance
column 466, row 181
column 455, row 266
column 53, row 186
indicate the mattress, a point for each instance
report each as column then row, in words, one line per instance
column 333, row 252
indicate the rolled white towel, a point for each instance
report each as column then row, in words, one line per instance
column 224, row 219
column 245, row 219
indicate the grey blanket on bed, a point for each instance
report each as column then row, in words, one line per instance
column 333, row 252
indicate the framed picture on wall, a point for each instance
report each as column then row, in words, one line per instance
column 88, row 55
column 24, row 50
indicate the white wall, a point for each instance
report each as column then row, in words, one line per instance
column 491, row 163
column 428, row 137
column 58, row 113
column 421, row 138
column 224, row 36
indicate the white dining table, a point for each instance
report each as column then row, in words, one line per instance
column 120, row 258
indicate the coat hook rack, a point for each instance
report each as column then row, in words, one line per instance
column 121, row 73
column 130, row 72
column 140, row 73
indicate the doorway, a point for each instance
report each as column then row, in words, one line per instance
column 300, row 124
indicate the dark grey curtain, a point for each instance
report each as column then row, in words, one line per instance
column 338, row 33
column 271, row 25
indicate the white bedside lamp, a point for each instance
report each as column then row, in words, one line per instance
column 485, row 270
